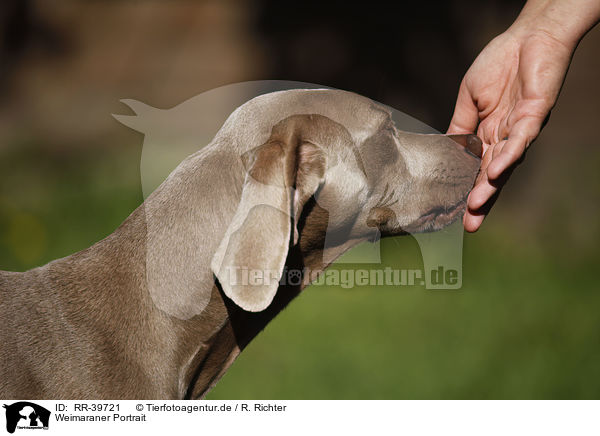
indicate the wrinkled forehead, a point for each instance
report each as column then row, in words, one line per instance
column 360, row 116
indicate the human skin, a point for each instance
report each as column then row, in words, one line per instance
column 507, row 93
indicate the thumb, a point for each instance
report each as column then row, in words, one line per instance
column 466, row 115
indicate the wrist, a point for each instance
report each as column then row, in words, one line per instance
column 563, row 21
column 524, row 29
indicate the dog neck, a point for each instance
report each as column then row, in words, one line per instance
column 209, row 341
column 239, row 327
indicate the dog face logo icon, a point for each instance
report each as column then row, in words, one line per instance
column 26, row 415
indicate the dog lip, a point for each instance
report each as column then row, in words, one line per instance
column 437, row 217
column 443, row 212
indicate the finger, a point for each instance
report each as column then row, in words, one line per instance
column 498, row 149
column 508, row 156
column 521, row 135
column 483, row 189
column 466, row 115
column 484, row 194
column 480, row 194
column 472, row 221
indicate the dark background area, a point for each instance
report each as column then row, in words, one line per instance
column 525, row 324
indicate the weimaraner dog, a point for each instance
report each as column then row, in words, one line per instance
column 115, row 321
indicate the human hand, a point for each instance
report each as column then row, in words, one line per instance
column 509, row 90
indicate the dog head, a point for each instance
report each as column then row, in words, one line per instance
column 344, row 154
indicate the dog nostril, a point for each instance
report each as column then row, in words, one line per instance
column 471, row 142
column 475, row 145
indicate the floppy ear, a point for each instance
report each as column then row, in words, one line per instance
column 282, row 175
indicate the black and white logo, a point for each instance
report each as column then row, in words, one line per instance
column 26, row 415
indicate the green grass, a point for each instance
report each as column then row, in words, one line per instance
column 524, row 325
column 517, row 329
column 54, row 203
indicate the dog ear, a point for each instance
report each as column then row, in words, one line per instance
column 282, row 175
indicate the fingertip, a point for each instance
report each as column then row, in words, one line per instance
column 472, row 222
column 451, row 130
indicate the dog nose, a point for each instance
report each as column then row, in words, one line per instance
column 470, row 142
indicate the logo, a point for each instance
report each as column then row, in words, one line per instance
column 26, row 415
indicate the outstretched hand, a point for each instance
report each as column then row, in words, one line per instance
column 506, row 95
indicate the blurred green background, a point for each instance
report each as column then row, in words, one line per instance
column 526, row 323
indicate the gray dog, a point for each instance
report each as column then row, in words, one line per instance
column 285, row 171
